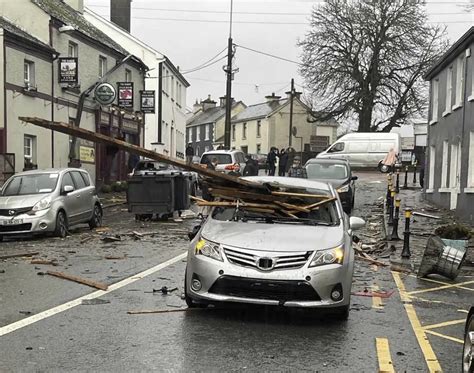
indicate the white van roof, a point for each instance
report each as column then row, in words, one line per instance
column 370, row 136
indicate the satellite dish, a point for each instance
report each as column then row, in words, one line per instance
column 294, row 131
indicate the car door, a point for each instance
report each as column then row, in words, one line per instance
column 70, row 200
column 83, row 196
column 89, row 193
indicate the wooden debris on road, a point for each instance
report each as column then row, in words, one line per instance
column 142, row 312
column 416, row 213
column 79, row 280
column 115, row 257
column 53, row 262
column 19, row 255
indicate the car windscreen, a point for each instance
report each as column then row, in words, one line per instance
column 324, row 214
column 326, row 171
column 151, row 166
column 31, row 184
column 221, row 158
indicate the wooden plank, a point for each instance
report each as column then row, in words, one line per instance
column 320, row 203
column 300, row 195
column 293, row 207
column 79, row 280
column 103, row 139
column 19, row 255
column 144, row 312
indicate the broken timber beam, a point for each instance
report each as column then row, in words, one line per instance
column 80, row 280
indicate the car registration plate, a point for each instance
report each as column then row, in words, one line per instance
column 12, row 222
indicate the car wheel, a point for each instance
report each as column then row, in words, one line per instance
column 61, row 225
column 468, row 350
column 96, row 220
column 341, row 313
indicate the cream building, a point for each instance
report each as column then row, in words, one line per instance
column 259, row 127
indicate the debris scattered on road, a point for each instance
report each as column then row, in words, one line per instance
column 2, row 271
column 397, row 268
column 19, row 255
column 111, row 238
column 87, row 239
column 114, row 257
column 29, row 348
column 425, row 215
column 72, row 252
column 102, row 229
column 77, row 279
column 164, row 290
column 166, row 311
column 25, row 312
column 53, row 262
column 380, row 294
column 94, row 302
column 41, row 273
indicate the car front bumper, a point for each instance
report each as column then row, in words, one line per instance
column 303, row 287
column 41, row 221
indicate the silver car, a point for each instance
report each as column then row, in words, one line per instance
column 48, row 201
column 247, row 257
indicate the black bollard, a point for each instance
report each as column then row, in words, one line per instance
column 414, row 173
column 406, row 235
column 397, row 188
column 389, row 188
column 392, row 203
column 394, row 235
column 405, row 184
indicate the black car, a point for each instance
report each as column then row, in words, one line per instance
column 468, row 350
column 338, row 173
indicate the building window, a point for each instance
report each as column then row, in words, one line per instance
column 444, row 168
column 190, row 135
column 72, row 49
column 198, row 134
column 29, row 150
column 259, row 128
column 459, row 81
column 470, row 179
column 172, row 88
column 233, row 132
column 244, row 131
column 29, row 73
column 449, row 90
column 128, row 75
column 102, row 66
column 434, row 100
column 432, row 167
column 177, row 91
column 259, row 148
column 455, row 163
column 208, row 130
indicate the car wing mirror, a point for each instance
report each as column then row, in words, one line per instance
column 354, row 178
column 193, row 233
column 356, row 223
column 68, row 189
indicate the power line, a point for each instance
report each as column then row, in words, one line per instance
column 268, row 54
column 204, row 63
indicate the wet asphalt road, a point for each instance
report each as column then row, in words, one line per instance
column 103, row 337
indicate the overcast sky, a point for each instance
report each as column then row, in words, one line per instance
column 191, row 33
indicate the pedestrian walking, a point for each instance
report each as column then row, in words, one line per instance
column 390, row 160
column 189, row 153
column 251, row 166
column 296, row 170
column 283, row 162
column 271, row 161
column 421, row 162
column 210, row 165
column 291, row 157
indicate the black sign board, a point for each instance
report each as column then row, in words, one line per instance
column 125, row 94
column 68, row 70
column 147, row 101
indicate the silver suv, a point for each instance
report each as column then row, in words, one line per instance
column 227, row 160
column 48, row 201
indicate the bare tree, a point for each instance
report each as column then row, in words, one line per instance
column 367, row 57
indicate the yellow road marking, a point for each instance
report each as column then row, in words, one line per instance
column 383, row 353
column 440, row 282
column 430, row 357
column 376, row 301
column 443, row 287
column 445, row 336
column 442, row 324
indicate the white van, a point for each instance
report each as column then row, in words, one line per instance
column 363, row 149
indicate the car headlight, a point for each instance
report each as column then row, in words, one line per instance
column 331, row 256
column 43, row 204
column 343, row 189
column 209, row 249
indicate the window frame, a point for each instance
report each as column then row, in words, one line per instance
column 459, row 98
column 449, row 91
column 259, row 128
column 128, row 75
column 102, row 66
column 74, row 48
column 434, row 100
column 244, row 131
column 29, row 72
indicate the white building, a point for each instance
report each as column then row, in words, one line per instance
column 165, row 130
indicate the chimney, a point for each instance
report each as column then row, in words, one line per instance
column 208, row 104
column 223, row 100
column 288, row 95
column 77, row 5
column 196, row 107
column 272, row 97
column 120, row 13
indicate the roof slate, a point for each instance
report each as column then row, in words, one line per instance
column 258, row 110
column 209, row 116
column 68, row 15
column 15, row 30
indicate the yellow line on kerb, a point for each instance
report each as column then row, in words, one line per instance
column 383, row 353
column 376, row 301
column 428, row 353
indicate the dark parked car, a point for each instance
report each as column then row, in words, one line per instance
column 261, row 160
column 338, row 173
column 468, row 351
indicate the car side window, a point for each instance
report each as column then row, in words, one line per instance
column 337, row 147
column 78, row 180
column 67, row 180
column 86, row 179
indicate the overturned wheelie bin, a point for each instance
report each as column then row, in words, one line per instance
column 158, row 194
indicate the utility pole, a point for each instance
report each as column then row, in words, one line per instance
column 292, row 93
column 228, row 94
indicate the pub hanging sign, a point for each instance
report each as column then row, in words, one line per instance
column 68, row 70
column 147, row 101
column 125, row 95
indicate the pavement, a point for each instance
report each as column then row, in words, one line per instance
column 51, row 324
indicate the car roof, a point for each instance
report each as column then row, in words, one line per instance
column 292, row 182
column 328, row 160
column 49, row 171
column 222, row 152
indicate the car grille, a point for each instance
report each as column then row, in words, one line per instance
column 15, row 228
column 6, row 212
column 286, row 261
column 264, row 289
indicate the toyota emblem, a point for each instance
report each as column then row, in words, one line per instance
column 265, row 263
column 11, row 212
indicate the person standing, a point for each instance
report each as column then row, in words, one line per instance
column 189, row 153
column 421, row 163
column 271, row 161
column 283, row 162
column 251, row 167
column 296, row 170
column 291, row 156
